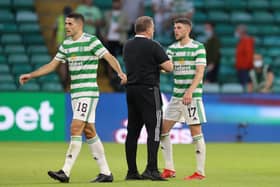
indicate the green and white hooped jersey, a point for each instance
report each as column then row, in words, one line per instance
column 185, row 59
column 82, row 56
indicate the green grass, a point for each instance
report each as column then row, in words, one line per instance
column 227, row 165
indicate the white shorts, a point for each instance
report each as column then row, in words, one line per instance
column 84, row 109
column 191, row 114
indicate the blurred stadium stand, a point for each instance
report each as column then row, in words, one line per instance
column 26, row 35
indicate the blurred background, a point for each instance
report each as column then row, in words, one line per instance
column 242, row 78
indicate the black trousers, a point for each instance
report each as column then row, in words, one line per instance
column 144, row 108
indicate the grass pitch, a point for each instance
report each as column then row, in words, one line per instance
column 228, row 165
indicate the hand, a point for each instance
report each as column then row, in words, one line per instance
column 24, row 78
column 123, row 78
column 187, row 98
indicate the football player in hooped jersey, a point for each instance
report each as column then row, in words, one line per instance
column 189, row 60
column 81, row 51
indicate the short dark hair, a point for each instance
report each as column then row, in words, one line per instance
column 143, row 23
column 76, row 16
column 183, row 20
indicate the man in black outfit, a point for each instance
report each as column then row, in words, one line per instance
column 144, row 58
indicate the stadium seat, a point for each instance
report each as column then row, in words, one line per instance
column 232, row 88
column 33, row 39
column 30, row 86
column 275, row 5
column 6, row 4
column 273, row 52
column 23, row 4
column 18, row 59
column 259, row 4
column 199, row 17
column 228, row 41
column 4, row 68
column 6, row 16
column 271, row 41
column 218, row 16
column 21, row 68
column 233, row 5
column 8, row 28
column 40, row 59
column 267, row 60
column 276, row 89
column 211, row 88
column 48, row 78
column 262, row 17
column 52, row 87
column 11, row 39
column 14, row 49
column 3, row 59
column 241, row 17
column 29, row 27
column 167, row 88
column 230, row 51
column 276, row 16
column 199, row 4
column 6, row 77
column 105, row 5
column 26, row 16
column 225, row 29
column 37, row 49
column 215, row 4
column 8, row 86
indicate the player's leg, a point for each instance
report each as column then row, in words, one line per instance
column 196, row 116
column 172, row 115
column 72, row 152
column 98, row 153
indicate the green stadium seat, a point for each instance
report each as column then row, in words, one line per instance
column 230, row 51
column 199, row 4
column 48, row 78
column 215, row 4
column 26, row 16
column 3, row 59
column 232, row 88
column 8, row 86
column 167, row 88
column 52, row 87
column 262, row 17
column 259, row 4
column 271, row 41
column 268, row 29
column 33, row 39
column 228, row 41
column 258, row 41
column 233, row 5
column 18, row 59
column 211, row 88
column 6, row 4
column 273, row 52
column 4, row 68
column 199, row 17
column 267, row 60
column 241, row 17
column 37, row 49
column 253, row 29
column 261, row 50
column 8, row 28
column 103, row 4
column 23, row 4
column 11, row 39
column 40, row 59
column 14, row 49
column 6, row 77
column 218, row 16
column 275, row 4
column 224, row 29
column 21, row 68
column 276, row 16
column 6, row 16
column 29, row 27
column 30, row 86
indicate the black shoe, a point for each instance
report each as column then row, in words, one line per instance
column 59, row 175
column 152, row 175
column 103, row 178
column 134, row 176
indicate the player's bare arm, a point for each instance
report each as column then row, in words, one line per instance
column 45, row 69
column 116, row 66
column 187, row 98
column 167, row 66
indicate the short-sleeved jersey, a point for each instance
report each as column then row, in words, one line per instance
column 82, row 56
column 185, row 59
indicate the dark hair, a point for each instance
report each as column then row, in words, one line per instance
column 183, row 20
column 143, row 23
column 76, row 16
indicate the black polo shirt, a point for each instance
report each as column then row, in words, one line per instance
column 142, row 57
